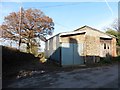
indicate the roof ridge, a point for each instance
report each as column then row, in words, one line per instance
column 84, row 27
column 95, row 30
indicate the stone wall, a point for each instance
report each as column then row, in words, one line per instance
column 113, row 44
column 97, row 34
column 92, row 46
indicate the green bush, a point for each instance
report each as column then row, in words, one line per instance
column 105, row 61
column 118, row 50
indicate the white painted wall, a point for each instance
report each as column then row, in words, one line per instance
column 51, row 45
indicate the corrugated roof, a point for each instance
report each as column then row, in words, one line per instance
column 95, row 30
column 72, row 33
column 79, row 30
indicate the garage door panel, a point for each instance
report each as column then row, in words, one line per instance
column 71, row 54
column 78, row 50
column 67, row 54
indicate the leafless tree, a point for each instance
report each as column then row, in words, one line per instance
column 34, row 23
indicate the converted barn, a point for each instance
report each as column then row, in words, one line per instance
column 81, row 46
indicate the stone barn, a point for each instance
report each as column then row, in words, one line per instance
column 82, row 46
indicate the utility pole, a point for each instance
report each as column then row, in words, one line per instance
column 20, row 22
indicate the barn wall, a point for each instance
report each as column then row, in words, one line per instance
column 94, row 33
column 52, row 48
column 91, row 49
column 96, row 43
column 113, row 44
column 46, row 48
column 79, row 38
column 90, row 41
column 72, row 50
column 92, row 45
column 105, row 47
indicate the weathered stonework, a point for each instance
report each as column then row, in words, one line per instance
column 113, row 44
column 92, row 46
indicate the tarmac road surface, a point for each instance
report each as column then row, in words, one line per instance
column 97, row 77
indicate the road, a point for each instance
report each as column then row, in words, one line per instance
column 97, row 77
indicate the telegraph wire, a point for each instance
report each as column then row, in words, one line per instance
column 62, row 25
column 60, row 5
column 109, row 7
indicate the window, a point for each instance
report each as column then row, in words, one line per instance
column 104, row 45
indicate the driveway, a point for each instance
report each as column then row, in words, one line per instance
column 97, row 77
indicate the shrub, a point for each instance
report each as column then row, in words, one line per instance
column 118, row 50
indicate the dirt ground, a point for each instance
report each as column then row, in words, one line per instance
column 95, row 77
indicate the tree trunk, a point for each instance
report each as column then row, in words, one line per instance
column 10, row 43
column 29, row 46
column 19, row 43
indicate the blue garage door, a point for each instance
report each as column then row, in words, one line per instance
column 71, row 54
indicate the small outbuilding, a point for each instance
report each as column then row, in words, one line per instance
column 81, row 46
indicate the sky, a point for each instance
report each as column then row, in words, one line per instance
column 68, row 16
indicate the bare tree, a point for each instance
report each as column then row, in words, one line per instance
column 116, row 25
column 114, row 29
column 34, row 23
